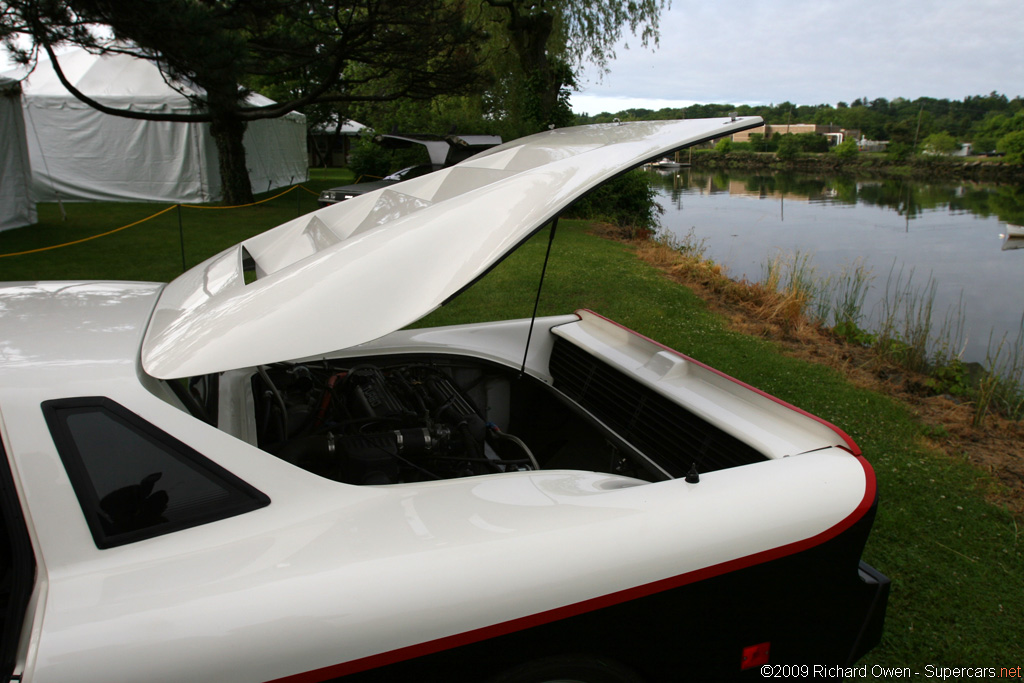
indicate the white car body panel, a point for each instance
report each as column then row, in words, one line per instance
column 772, row 427
column 202, row 591
column 387, row 258
column 203, row 594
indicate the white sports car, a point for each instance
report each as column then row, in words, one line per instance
column 253, row 473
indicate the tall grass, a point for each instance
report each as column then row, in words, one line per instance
column 905, row 329
column 1002, row 387
column 847, row 296
column 791, row 276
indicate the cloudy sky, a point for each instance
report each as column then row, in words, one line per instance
column 814, row 52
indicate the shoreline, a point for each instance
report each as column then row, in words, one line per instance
column 996, row 447
column 920, row 167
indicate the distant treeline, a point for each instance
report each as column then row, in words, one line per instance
column 980, row 119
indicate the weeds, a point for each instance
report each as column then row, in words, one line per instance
column 905, row 323
column 792, row 279
column 1002, row 387
column 848, row 294
column 904, row 332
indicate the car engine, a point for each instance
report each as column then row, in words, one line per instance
column 370, row 424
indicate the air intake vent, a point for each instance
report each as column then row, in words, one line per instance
column 666, row 432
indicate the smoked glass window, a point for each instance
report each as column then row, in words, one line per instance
column 135, row 481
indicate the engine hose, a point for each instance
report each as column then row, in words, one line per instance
column 519, row 442
column 410, row 463
column 277, row 398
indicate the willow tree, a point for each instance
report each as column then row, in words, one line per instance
column 539, row 48
column 338, row 52
column 532, row 55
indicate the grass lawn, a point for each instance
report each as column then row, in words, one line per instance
column 151, row 250
column 956, row 561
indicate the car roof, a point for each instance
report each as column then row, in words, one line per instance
column 58, row 331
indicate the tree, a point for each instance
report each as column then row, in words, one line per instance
column 788, row 147
column 758, row 142
column 940, row 143
column 898, row 151
column 909, row 129
column 847, row 149
column 989, row 130
column 326, row 52
column 1012, row 145
column 532, row 54
column 539, row 46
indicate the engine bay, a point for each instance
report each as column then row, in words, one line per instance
column 384, row 420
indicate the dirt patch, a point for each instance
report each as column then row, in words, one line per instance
column 997, row 447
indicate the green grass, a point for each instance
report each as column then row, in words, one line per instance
column 955, row 560
column 151, row 250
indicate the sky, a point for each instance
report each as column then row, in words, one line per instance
column 814, row 52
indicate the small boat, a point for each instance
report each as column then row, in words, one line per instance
column 1014, row 238
column 665, row 163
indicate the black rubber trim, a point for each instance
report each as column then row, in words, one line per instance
column 18, row 588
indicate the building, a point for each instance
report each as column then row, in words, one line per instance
column 836, row 134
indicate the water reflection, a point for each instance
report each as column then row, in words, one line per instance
column 959, row 234
column 908, row 198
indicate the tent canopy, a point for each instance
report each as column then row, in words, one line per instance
column 81, row 154
column 16, row 206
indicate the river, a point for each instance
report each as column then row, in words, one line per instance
column 947, row 235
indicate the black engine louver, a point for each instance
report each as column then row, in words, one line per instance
column 666, row 432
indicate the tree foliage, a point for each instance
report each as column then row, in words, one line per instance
column 983, row 119
column 940, row 143
column 847, row 149
column 320, row 52
column 628, row 201
column 791, row 144
column 532, row 56
column 1012, row 145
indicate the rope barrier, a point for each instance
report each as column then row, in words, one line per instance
column 159, row 213
column 93, row 237
column 242, row 206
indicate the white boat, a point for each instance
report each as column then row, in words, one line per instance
column 665, row 163
column 1014, row 237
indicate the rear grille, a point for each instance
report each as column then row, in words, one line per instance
column 666, row 432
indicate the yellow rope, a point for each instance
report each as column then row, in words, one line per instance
column 86, row 239
column 242, row 206
column 159, row 213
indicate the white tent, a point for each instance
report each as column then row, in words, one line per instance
column 16, row 205
column 331, row 143
column 81, row 154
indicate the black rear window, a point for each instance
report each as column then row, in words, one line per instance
column 135, row 481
